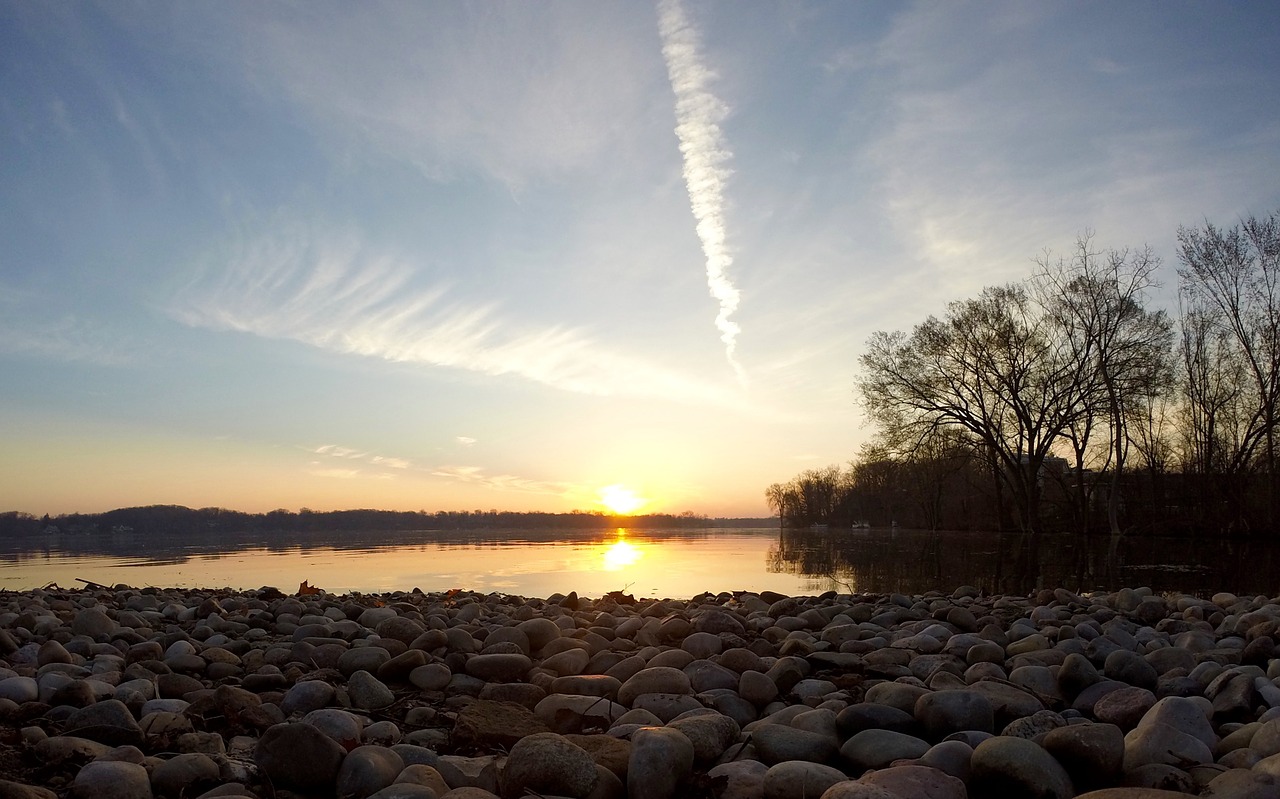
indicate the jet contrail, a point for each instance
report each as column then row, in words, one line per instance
column 698, row 113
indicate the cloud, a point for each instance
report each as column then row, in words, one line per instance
column 476, row 475
column 63, row 337
column 333, row 293
column 346, row 453
column 698, row 114
column 465, row 441
column 514, row 91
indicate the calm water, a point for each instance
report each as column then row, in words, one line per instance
column 663, row 563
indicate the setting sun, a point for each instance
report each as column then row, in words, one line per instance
column 621, row 500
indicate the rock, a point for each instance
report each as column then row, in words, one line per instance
column 107, row 779
column 403, row 790
column 1035, row 725
column 547, row 763
column 654, row 680
column 469, row 772
column 1156, row 742
column 710, row 734
column 777, row 743
column 366, row 770
column 873, row 749
column 740, row 779
column 110, row 722
column 943, row 712
column 1124, row 707
column 488, row 724
column 797, row 779
column 500, row 667
column 1240, row 783
column 299, row 756
column 851, row 789
column 431, row 677
column 1092, row 754
column 424, row 775
column 368, row 692
column 343, row 727
column 660, row 760
column 306, row 696
column 1005, row 766
column 184, row 775
column 917, row 782
column 17, row 790
column 94, row 623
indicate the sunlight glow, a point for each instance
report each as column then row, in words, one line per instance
column 621, row 500
column 621, row 554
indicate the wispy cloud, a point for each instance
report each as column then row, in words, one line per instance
column 346, row 453
column 335, row 294
column 698, row 116
column 465, row 441
column 477, row 475
column 66, row 337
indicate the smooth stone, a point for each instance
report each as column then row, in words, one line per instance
column 566, row 713
column 666, row 706
column 111, row 779
column 916, row 782
column 299, row 756
column 797, row 779
column 1008, row 703
column 660, row 760
column 710, row 734
column 306, row 696
column 587, row 685
column 1157, row 742
column 94, row 623
column 367, row 692
column 1035, row 725
column 17, row 790
column 19, row 689
column 183, row 775
column 547, row 763
column 1124, row 707
column 469, row 772
column 1092, row 754
column 1242, row 784
column 776, row 743
column 109, row 721
column 422, row 774
column 1187, row 714
column 873, row 749
column 853, row 789
column 951, row 757
column 654, row 680
column 1005, row 766
column 431, row 677
column 403, row 790
column 499, row 668
column 741, row 779
column 1162, row 776
column 366, row 770
column 943, row 712
column 343, row 727
column 872, row 716
column 757, row 688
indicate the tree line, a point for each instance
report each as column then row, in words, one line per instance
column 1067, row 402
column 177, row 520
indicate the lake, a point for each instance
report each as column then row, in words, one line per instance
column 645, row 563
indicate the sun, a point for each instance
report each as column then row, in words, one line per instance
column 619, row 499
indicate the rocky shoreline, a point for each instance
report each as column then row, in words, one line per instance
column 123, row 693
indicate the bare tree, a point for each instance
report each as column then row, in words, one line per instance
column 995, row 367
column 1230, row 290
column 1098, row 302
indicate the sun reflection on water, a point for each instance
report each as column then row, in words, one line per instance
column 621, row 553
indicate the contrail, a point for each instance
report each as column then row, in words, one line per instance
column 698, row 113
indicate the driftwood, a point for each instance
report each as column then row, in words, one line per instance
column 92, row 586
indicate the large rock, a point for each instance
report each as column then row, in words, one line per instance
column 917, row 782
column 873, row 749
column 943, row 712
column 710, row 733
column 777, row 743
column 299, row 756
column 797, row 779
column 661, row 759
column 1092, row 754
column 654, row 680
column 547, row 763
column 366, row 770
column 488, row 724
column 1006, row 766
column 111, row 779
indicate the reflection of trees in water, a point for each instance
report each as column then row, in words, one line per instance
column 918, row 561
column 154, row 550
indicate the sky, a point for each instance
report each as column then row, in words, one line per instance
column 548, row 256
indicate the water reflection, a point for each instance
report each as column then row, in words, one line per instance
column 916, row 561
column 653, row 563
column 621, row 553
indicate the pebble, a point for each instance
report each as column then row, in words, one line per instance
column 415, row 695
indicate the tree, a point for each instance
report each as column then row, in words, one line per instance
column 1097, row 302
column 995, row 367
column 1229, row 285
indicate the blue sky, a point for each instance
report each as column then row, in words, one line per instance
column 504, row 255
